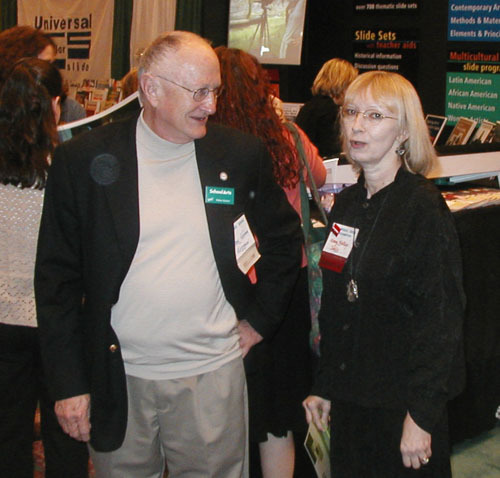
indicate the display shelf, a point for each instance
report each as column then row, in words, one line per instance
column 456, row 167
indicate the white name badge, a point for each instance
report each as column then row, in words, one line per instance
column 338, row 246
column 245, row 247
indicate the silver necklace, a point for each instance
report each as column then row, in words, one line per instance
column 352, row 291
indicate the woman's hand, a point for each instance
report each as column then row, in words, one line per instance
column 415, row 444
column 317, row 410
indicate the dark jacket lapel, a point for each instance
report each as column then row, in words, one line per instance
column 122, row 195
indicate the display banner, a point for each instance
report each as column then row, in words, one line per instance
column 82, row 30
column 474, row 20
column 473, row 85
column 386, row 49
column 361, row 6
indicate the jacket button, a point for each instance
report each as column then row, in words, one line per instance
column 113, row 348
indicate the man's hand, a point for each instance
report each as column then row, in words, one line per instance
column 415, row 444
column 73, row 416
column 248, row 336
column 318, row 411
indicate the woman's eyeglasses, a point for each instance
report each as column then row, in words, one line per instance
column 349, row 114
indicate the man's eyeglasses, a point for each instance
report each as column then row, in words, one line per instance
column 349, row 113
column 198, row 95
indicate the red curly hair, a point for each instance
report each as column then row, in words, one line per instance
column 245, row 104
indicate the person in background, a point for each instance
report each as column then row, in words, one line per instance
column 29, row 110
column 71, row 110
column 24, row 41
column 291, row 41
column 319, row 116
column 148, row 284
column 130, row 83
column 280, row 376
column 393, row 302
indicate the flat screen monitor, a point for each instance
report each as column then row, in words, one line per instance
column 271, row 30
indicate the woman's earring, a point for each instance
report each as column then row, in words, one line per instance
column 400, row 151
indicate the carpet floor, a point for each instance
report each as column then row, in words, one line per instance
column 478, row 457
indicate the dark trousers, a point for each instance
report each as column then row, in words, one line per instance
column 21, row 388
column 365, row 443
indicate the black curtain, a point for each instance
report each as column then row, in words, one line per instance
column 8, row 14
column 122, row 22
column 188, row 16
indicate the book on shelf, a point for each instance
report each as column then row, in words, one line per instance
column 115, row 92
column 82, row 96
column 435, row 123
column 88, row 84
column 483, row 132
column 462, row 131
column 92, row 107
column 494, row 134
column 103, row 84
column 99, row 94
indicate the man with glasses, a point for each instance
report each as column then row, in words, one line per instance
column 149, row 282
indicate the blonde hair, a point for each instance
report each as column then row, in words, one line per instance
column 398, row 95
column 333, row 78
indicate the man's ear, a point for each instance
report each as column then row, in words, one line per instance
column 150, row 88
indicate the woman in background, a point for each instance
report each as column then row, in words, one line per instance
column 24, row 41
column 281, row 376
column 29, row 111
column 393, row 302
column 319, row 116
column 130, row 83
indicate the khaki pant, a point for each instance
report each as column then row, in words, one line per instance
column 198, row 425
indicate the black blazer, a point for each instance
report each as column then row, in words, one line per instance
column 88, row 236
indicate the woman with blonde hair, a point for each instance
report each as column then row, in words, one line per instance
column 318, row 117
column 393, row 302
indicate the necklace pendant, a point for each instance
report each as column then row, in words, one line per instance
column 352, row 291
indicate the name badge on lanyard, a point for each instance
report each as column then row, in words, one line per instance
column 245, row 246
column 338, row 246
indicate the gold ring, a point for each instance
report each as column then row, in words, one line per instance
column 425, row 460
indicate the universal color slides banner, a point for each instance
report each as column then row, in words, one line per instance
column 82, row 30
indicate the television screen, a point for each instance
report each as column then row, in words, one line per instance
column 271, row 30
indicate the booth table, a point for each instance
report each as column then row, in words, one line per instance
column 473, row 411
